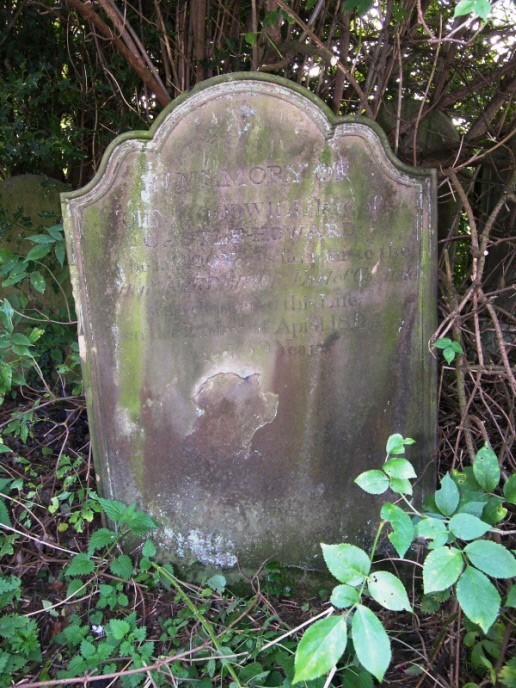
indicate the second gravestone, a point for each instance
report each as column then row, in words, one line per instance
column 256, row 287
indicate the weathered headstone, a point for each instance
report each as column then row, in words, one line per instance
column 255, row 281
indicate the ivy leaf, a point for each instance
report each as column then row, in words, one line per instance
column 344, row 596
column 441, row 569
column 447, row 498
column 122, row 566
column 403, row 529
column 371, row 642
column 80, row 565
column 388, row 591
column 320, row 648
column 478, row 598
column 467, row 527
column 491, row 558
column 348, row 563
column 373, row 482
column 486, row 468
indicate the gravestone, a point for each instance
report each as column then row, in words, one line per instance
column 255, row 282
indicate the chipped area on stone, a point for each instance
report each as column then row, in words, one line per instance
column 256, row 284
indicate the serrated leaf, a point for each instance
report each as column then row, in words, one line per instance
column 395, row 444
column 80, row 565
column 401, row 486
column 389, row 591
column 403, row 529
column 433, row 529
column 399, row 468
column 73, row 587
column 118, row 628
column 344, row 596
column 478, row 598
column 472, row 508
column 122, row 566
column 113, row 509
column 486, row 468
column 491, row 558
column 149, row 549
column 140, row 523
column 101, row 538
column 441, row 569
column 373, row 481
column 348, row 563
column 320, row 648
column 217, row 582
column 5, row 519
column 87, row 649
column 371, row 642
column 447, row 498
column 509, row 489
column 467, row 527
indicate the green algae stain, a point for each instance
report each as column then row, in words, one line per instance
column 131, row 322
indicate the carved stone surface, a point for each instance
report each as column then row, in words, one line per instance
column 255, row 281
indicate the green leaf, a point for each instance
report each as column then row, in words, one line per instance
column 389, row 591
column 433, row 529
column 320, row 648
column 122, row 566
column 371, row 642
column 113, row 509
column 101, row 538
column 348, row 563
column 217, row 582
column 149, row 549
column 491, row 558
column 510, row 602
column 403, row 529
column 38, row 252
column 118, row 628
column 352, row 677
column 442, row 568
column 38, row 281
column 374, row 482
column 478, row 598
column 5, row 519
column 396, row 444
column 444, row 342
column 494, row 510
column 361, row 6
column 467, row 527
column 41, row 239
column 509, row 489
column 447, row 498
column 344, row 596
column 400, row 486
column 486, row 468
column 251, row 38
column 507, row 675
column 80, row 565
column 399, row 468
column 56, row 231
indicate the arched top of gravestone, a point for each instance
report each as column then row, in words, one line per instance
column 239, row 86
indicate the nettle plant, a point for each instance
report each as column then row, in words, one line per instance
column 462, row 560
